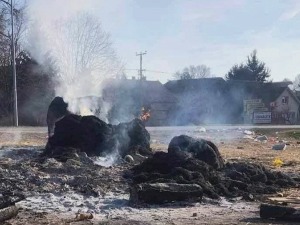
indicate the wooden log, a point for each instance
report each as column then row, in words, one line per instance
column 158, row 193
column 293, row 200
column 268, row 211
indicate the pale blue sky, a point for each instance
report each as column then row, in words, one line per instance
column 178, row 33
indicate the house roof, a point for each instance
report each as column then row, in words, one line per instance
column 238, row 89
column 268, row 92
column 293, row 94
column 179, row 86
column 152, row 91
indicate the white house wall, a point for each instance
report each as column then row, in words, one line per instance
column 291, row 106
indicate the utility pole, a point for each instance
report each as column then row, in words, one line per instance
column 16, row 119
column 13, row 62
column 141, row 77
column 141, row 62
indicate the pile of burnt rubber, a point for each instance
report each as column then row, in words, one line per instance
column 89, row 134
column 194, row 168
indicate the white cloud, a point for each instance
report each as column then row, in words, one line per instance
column 292, row 11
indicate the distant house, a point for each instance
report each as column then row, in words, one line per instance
column 214, row 100
column 194, row 101
column 128, row 96
column 285, row 108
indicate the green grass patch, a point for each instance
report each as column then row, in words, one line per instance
column 293, row 134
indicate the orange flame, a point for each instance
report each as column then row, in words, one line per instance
column 145, row 114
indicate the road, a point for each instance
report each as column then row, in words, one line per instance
column 165, row 129
column 163, row 135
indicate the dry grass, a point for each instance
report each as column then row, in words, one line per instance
column 18, row 139
column 263, row 153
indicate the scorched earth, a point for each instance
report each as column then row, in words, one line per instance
column 84, row 192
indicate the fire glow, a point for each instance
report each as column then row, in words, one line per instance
column 145, row 114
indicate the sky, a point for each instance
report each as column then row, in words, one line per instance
column 179, row 33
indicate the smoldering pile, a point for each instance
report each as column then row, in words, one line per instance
column 194, row 168
column 74, row 134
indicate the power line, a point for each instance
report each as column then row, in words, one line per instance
column 152, row 71
column 156, row 71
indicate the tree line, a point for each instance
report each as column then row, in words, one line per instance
column 252, row 70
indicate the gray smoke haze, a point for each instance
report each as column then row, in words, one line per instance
column 70, row 38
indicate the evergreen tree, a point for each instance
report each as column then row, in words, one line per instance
column 253, row 70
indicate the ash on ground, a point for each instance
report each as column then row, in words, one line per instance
column 49, row 185
column 80, row 183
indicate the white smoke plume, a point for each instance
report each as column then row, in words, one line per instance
column 72, row 39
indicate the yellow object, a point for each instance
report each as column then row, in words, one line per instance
column 277, row 162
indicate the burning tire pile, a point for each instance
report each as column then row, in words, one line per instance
column 189, row 170
column 194, row 168
column 89, row 134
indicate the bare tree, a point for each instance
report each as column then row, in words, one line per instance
column 5, row 29
column 5, row 52
column 296, row 84
column 82, row 48
column 193, row 72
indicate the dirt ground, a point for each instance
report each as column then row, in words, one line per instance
column 234, row 145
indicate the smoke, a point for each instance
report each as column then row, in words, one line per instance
column 210, row 101
column 69, row 39
column 110, row 159
column 90, row 105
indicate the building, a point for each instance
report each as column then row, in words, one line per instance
column 128, row 96
column 285, row 108
column 214, row 100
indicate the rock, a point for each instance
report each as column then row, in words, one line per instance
column 129, row 159
column 158, row 193
column 280, row 146
column 194, row 215
column 240, row 147
column 202, row 130
column 199, row 148
column 262, row 138
column 248, row 132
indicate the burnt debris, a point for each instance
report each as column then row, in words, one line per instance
column 89, row 134
column 198, row 162
column 198, row 148
column 56, row 110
